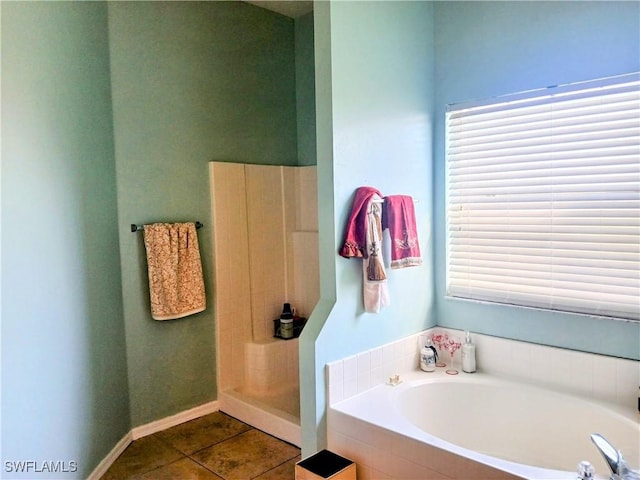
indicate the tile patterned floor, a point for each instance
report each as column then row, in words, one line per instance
column 212, row 447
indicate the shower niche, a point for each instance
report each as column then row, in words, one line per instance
column 265, row 244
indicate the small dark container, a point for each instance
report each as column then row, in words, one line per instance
column 326, row 465
column 298, row 325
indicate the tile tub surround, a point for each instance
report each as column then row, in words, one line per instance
column 587, row 375
column 383, row 454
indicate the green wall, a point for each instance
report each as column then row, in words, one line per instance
column 198, row 81
column 485, row 49
column 110, row 115
column 305, row 90
column 64, row 375
column 374, row 74
column 192, row 82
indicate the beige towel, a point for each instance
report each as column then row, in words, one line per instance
column 176, row 285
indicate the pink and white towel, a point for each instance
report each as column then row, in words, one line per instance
column 400, row 218
column 363, row 239
column 355, row 238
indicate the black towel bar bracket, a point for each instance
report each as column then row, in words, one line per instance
column 137, row 228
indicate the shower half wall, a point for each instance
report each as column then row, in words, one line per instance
column 265, row 254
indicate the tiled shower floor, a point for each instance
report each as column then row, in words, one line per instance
column 212, row 447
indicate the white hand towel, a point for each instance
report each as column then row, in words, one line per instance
column 375, row 289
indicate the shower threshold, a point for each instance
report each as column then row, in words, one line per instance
column 275, row 412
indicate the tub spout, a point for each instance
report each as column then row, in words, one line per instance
column 613, row 457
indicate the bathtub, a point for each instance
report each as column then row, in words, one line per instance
column 476, row 426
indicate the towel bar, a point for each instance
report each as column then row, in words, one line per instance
column 137, row 228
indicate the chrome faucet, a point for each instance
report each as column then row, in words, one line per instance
column 613, row 457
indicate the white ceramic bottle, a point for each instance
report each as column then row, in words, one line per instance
column 468, row 355
column 428, row 357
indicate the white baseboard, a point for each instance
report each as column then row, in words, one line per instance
column 148, row 429
column 111, row 457
column 173, row 420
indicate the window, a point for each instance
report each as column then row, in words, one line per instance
column 543, row 199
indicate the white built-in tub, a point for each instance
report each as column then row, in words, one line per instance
column 477, row 426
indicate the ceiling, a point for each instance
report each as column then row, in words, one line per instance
column 290, row 8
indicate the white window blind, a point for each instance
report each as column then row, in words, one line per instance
column 543, row 192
